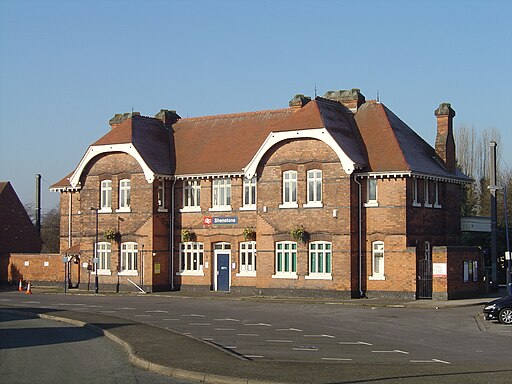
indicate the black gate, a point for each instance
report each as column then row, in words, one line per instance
column 424, row 281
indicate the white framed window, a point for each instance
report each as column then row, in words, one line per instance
column 124, row 195
column 105, row 196
column 191, row 196
column 436, row 195
column 415, row 201
column 247, row 258
column 221, row 195
column 289, row 190
column 470, row 271
column 104, row 254
column 320, row 260
column 371, row 195
column 129, row 255
column 191, row 258
column 249, row 198
column 377, row 261
column 426, row 193
column 314, row 188
column 286, row 260
column 161, row 196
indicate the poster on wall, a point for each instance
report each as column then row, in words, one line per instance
column 439, row 270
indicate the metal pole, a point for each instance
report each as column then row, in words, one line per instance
column 509, row 261
column 494, row 239
column 38, row 203
column 95, row 259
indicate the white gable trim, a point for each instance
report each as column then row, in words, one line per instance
column 319, row 133
column 96, row 150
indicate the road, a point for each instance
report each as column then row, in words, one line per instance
column 34, row 350
column 425, row 343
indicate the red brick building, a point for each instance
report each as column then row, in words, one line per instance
column 334, row 196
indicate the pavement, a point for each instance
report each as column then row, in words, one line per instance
column 184, row 357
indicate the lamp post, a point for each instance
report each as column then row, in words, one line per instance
column 95, row 259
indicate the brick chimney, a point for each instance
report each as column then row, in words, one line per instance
column 352, row 99
column 119, row 118
column 299, row 101
column 445, row 143
column 169, row 117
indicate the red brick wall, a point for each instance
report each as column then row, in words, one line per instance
column 35, row 267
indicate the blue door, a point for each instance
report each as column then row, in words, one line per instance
column 222, row 272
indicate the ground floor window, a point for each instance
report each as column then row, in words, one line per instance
column 320, row 259
column 248, row 258
column 377, row 260
column 470, row 270
column 191, row 257
column 286, row 259
column 129, row 253
column 104, row 250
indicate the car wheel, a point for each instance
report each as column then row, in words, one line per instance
column 505, row 316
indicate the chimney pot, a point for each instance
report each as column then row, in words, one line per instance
column 299, row 101
column 168, row 117
column 119, row 118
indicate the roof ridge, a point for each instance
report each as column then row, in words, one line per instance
column 237, row 114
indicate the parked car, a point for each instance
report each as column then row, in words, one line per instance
column 499, row 309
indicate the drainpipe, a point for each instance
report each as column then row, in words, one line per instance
column 360, row 246
column 69, row 219
column 171, row 237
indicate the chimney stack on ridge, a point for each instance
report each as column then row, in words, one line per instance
column 445, row 143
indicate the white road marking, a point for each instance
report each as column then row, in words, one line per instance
column 126, row 308
column 259, row 324
column 107, row 311
column 279, row 341
column 31, row 302
column 253, row 356
column 289, row 329
column 91, row 306
column 142, row 315
column 354, row 343
column 200, row 324
column 157, row 311
column 328, row 336
column 229, row 346
column 171, row 319
column 247, row 334
column 335, row 359
column 193, row 315
column 429, row 361
column 5, row 299
column 225, row 329
column 208, row 338
column 227, row 319
column 310, row 349
column 393, row 351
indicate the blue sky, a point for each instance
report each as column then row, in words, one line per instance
column 66, row 67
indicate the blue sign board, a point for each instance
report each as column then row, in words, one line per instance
column 224, row 220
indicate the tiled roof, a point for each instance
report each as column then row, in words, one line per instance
column 393, row 146
column 149, row 136
column 17, row 233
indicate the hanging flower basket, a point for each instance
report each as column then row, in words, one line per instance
column 249, row 234
column 112, row 235
column 299, row 233
column 186, row 235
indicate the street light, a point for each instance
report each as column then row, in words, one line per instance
column 95, row 259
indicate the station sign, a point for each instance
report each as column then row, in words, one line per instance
column 220, row 220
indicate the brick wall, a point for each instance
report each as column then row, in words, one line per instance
column 35, row 267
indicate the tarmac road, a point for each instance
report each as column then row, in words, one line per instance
column 34, row 350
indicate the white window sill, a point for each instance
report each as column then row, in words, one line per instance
column 190, row 209
column 318, row 276
column 224, row 208
column 248, row 208
column 293, row 276
column 246, row 274
column 124, row 210
column 313, row 204
column 128, row 273
column 190, row 273
column 105, row 210
column 378, row 277
column 437, row 205
column 289, row 205
column 428, row 205
column 371, row 203
column 416, row 204
column 162, row 209
column 104, row 272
